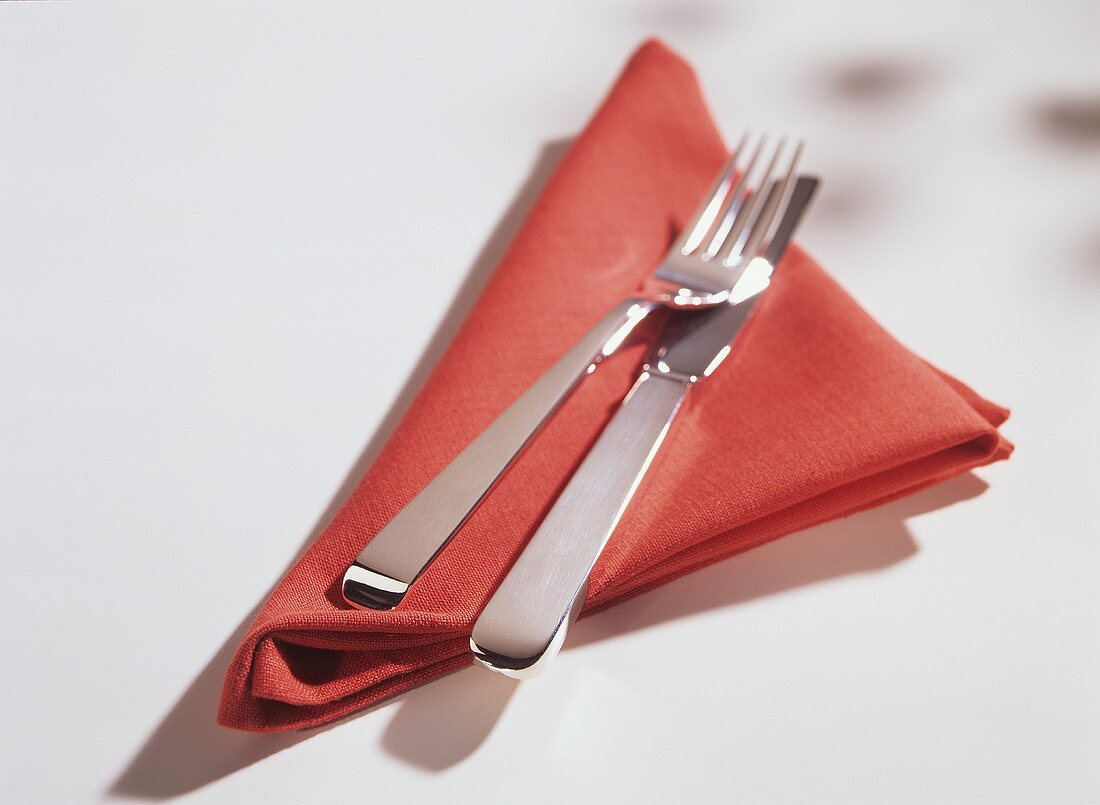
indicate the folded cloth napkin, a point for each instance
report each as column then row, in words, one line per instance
column 818, row 413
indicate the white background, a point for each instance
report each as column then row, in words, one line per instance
column 234, row 238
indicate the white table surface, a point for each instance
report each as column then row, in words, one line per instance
column 233, row 239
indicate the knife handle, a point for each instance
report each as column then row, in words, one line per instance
column 524, row 624
column 385, row 569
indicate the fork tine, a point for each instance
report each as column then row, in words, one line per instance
column 733, row 248
column 774, row 203
column 705, row 216
column 735, row 203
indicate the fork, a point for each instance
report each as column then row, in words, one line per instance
column 697, row 272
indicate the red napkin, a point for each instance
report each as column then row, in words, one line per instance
column 818, row 413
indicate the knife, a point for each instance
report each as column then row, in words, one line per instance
column 525, row 622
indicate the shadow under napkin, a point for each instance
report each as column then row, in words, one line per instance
column 871, row 540
column 188, row 749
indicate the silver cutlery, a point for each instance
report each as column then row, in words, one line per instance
column 525, row 622
column 697, row 272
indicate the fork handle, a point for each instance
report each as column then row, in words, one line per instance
column 385, row 569
column 524, row 624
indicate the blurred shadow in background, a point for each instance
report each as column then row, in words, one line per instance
column 1071, row 122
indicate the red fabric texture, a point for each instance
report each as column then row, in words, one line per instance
column 817, row 414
